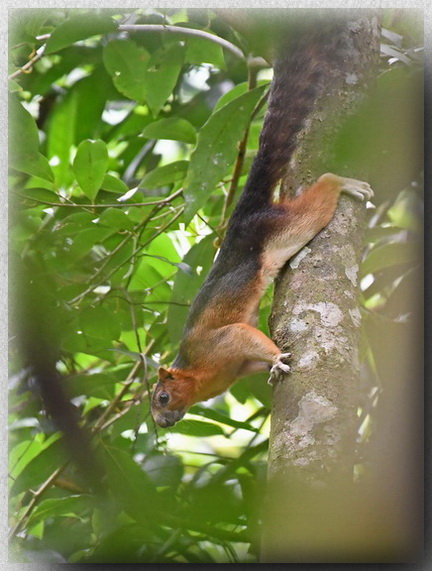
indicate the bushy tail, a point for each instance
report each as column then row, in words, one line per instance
column 301, row 71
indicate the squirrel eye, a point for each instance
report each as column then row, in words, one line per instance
column 164, row 398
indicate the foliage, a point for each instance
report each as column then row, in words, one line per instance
column 124, row 161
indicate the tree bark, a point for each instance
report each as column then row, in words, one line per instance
column 311, row 502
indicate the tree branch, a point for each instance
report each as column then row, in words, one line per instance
column 185, row 32
column 27, row 67
column 316, row 315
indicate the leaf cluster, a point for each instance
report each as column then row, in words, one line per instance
column 120, row 167
column 124, row 163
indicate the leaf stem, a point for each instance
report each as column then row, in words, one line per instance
column 36, row 498
column 161, row 202
column 26, row 68
column 238, row 166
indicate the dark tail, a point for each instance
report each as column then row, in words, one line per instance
column 300, row 73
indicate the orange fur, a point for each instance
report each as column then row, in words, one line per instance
column 223, row 345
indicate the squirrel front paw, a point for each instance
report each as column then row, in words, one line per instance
column 356, row 188
column 279, row 368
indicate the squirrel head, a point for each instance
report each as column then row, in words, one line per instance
column 173, row 394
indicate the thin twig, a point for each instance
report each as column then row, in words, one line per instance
column 27, row 67
column 100, row 425
column 238, row 166
column 161, row 202
column 185, row 32
column 100, row 282
column 113, row 404
column 36, row 498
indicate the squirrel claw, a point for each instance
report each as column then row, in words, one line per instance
column 279, row 369
column 357, row 188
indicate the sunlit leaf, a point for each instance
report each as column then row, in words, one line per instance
column 79, row 27
column 71, row 506
column 200, row 428
column 167, row 174
column 127, row 63
column 174, row 128
column 39, row 468
column 161, row 76
column 39, row 194
column 98, row 322
column 97, row 385
column 116, row 218
column 217, row 148
column 222, row 418
column 199, row 258
column 23, row 138
column 200, row 50
column 61, row 137
column 113, row 184
column 90, row 166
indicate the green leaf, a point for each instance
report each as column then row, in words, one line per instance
column 127, row 65
column 174, row 128
column 13, row 86
column 21, row 454
column 132, row 419
column 163, row 469
column 144, row 277
column 200, row 50
column 129, row 338
column 131, row 484
column 162, row 247
column 97, row 385
column 91, row 93
column 141, row 77
column 116, row 218
column 86, row 239
column 98, row 322
column 39, row 194
column 161, row 76
column 32, row 164
column 79, row 27
column 36, row 530
column 168, row 174
column 186, row 286
column 38, row 469
column 61, row 137
column 23, row 137
column 71, row 506
column 222, row 418
column 406, row 212
column 217, row 148
column 235, row 92
column 392, row 254
column 75, row 343
column 198, row 428
column 113, row 184
column 90, row 166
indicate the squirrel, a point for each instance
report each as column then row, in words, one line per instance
column 221, row 342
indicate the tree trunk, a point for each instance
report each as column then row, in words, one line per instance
column 311, row 503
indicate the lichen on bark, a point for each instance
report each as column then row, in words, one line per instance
column 315, row 312
column 316, row 317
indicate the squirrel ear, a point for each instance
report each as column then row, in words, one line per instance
column 164, row 375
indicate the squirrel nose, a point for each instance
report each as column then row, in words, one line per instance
column 168, row 417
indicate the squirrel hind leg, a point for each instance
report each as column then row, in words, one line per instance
column 356, row 188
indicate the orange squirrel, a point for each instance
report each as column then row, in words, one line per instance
column 220, row 342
